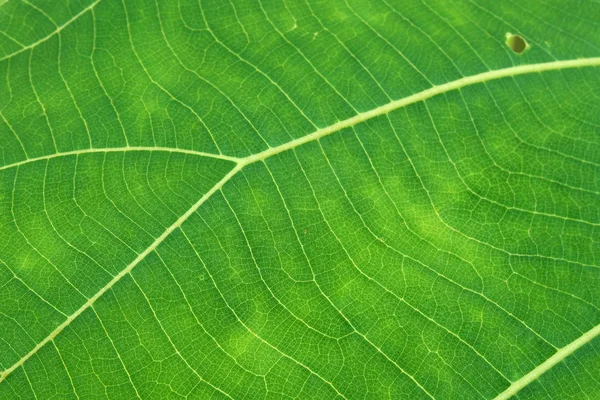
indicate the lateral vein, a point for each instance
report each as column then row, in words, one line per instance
column 117, row 150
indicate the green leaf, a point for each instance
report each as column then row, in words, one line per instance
column 309, row 199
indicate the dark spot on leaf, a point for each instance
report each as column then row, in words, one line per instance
column 516, row 43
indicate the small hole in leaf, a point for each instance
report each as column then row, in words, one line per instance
column 516, row 43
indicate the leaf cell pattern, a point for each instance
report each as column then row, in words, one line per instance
column 299, row 199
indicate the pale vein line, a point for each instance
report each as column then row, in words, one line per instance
column 112, row 343
column 53, row 33
column 119, row 149
column 357, row 119
column 62, row 360
column 559, row 356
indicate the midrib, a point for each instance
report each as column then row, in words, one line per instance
column 357, row 119
column 424, row 95
column 538, row 371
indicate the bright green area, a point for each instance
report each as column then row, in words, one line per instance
column 443, row 250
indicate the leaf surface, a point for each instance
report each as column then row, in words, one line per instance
column 315, row 199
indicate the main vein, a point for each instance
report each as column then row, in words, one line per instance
column 357, row 119
column 541, row 369
column 124, row 272
column 424, row 95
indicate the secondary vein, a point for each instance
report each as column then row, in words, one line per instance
column 117, row 150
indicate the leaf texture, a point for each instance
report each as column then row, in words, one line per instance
column 299, row 199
